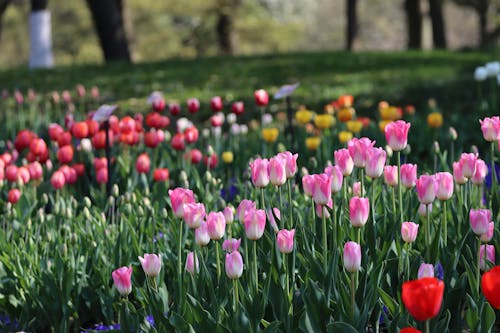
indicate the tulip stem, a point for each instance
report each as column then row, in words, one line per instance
column 400, row 193
column 445, row 224
column 325, row 242
column 362, row 180
column 493, row 174
column 334, row 225
column 353, row 294
column 393, row 201
column 235, row 294
column 262, row 198
column 255, row 271
column 281, row 208
column 478, row 264
column 427, row 326
column 313, row 220
column 290, row 204
column 427, row 234
column 217, row 257
column 179, row 262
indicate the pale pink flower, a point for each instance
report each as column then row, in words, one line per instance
column 359, row 209
column 358, row 149
column 391, row 175
column 444, row 183
column 344, row 161
column 151, row 264
column 396, row 134
column 408, row 175
column 375, row 161
column 284, row 240
column 260, row 172
column 352, row 257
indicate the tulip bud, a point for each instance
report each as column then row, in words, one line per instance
column 86, row 202
column 425, row 270
column 453, row 133
column 115, row 191
column 352, row 257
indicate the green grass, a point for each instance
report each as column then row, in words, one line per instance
column 396, row 76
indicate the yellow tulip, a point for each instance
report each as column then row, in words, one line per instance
column 354, row 126
column 312, row 143
column 345, row 136
column 390, row 113
column 382, row 124
column 346, row 114
column 227, row 157
column 270, row 134
column 303, row 116
column 435, row 119
column 324, row 121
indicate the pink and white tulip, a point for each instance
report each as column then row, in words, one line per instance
column 490, row 256
column 358, row 149
column 375, row 161
column 352, row 257
column 468, row 163
column 290, row 164
column 490, row 128
column 192, row 263
column 151, row 264
column 216, row 225
column 322, row 189
column 426, row 189
column 335, row 173
column 445, row 186
column 480, row 172
column 396, row 134
column 488, row 236
column 244, row 207
column 344, row 161
column 458, row 175
column 201, row 236
column 179, row 197
column 391, row 175
column 409, row 231
column 308, row 182
column 480, row 220
column 255, row 223
column 260, row 172
column 359, row 209
column 231, row 244
column 122, row 278
column 277, row 171
column 425, row 270
column 234, row 265
column 408, row 175
column 284, row 240
column 193, row 214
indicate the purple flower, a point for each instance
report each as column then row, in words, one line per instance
column 438, row 271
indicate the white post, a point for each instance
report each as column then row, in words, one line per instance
column 40, row 40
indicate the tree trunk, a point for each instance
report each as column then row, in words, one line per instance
column 108, row 20
column 413, row 24
column 40, row 35
column 224, row 33
column 438, row 26
column 482, row 11
column 3, row 7
column 352, row 25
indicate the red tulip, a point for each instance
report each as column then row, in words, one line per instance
column 23, row 139
column 100, row 163
column 211, row 161
column 64, row 139
column 38, row 146
column 14, row 195
column 194, row 155
column 178, row 142
column 193, row 105
column 490, row 283
column 57, row 180
column 101, row 176
column 23, row 174
column 191, row 134
column 175, row 109
column 422, row 298
column 70, row 175
column 54, row 131
column 99, row 139
column 11, row 173
column 127, row 125
column 93, row 126
column 65, row 154
column 35, row 170
column 80, row 130
column 151, row 139
column 238, row 108
column 261, row 97
column 143, row 163
column 158, row 104
column 216, row 104
column 79, row 168
column 161, row 174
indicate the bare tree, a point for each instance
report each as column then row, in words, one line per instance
column 225, row 25
column 413, row 23
column 109, row 23
column 486, row 36
column 438, row 25
column 352, row 24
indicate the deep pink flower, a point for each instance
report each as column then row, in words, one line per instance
column 426, row 189
column 284, row 240
column 260, row 172
column 396, row 134
column 335, row 173
column 291, row 163
column 408, row 175
column 178, row 197
column 344, row 161
column 359, row 209
column 358, row 149
column 375, row 161
column 122, row 278
column 322, row 190
column 277, row 171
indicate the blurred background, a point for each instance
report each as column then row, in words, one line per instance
column 96, row 31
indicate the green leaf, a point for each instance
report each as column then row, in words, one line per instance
column 389, row 302
column 488, row 318
column 340, row 327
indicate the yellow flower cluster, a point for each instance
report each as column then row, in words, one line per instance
column 270, row 135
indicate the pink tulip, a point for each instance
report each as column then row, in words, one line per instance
column 396, row 134
column 408, row 175
column 143, row 163
column 122, row 278
column 425, row 270
column 391, row 175
column 244, row 207
column 480, row 172
column 284, row 240
column 272, row 221
column 179, row 197
column 231, row 245
column 261, row 97
column 468, row 163
column 375, row 161
column 308, row 182
column 356, row 189
column 444, row 183
column 358, row 149
column 201, row 236
column 490, row 256
column 359, row 208
column 193, row 214
column 255, row 223
column 277, row 172
column 151, row 264
column 344, row 161
column 216, row 104
column 409, row 231
column 291, row 163
column 426, row 189
column 352, row 257
column 234, row 265
column 488, row 236
column 260, row 172
column 322, row 189
column 216, row 225
column 458, row 175
column 228, row 214
column 490, row 128
column 422, row 209
column 192, row 263
column 320, row 209
column 480, row 220
column 335, row 173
